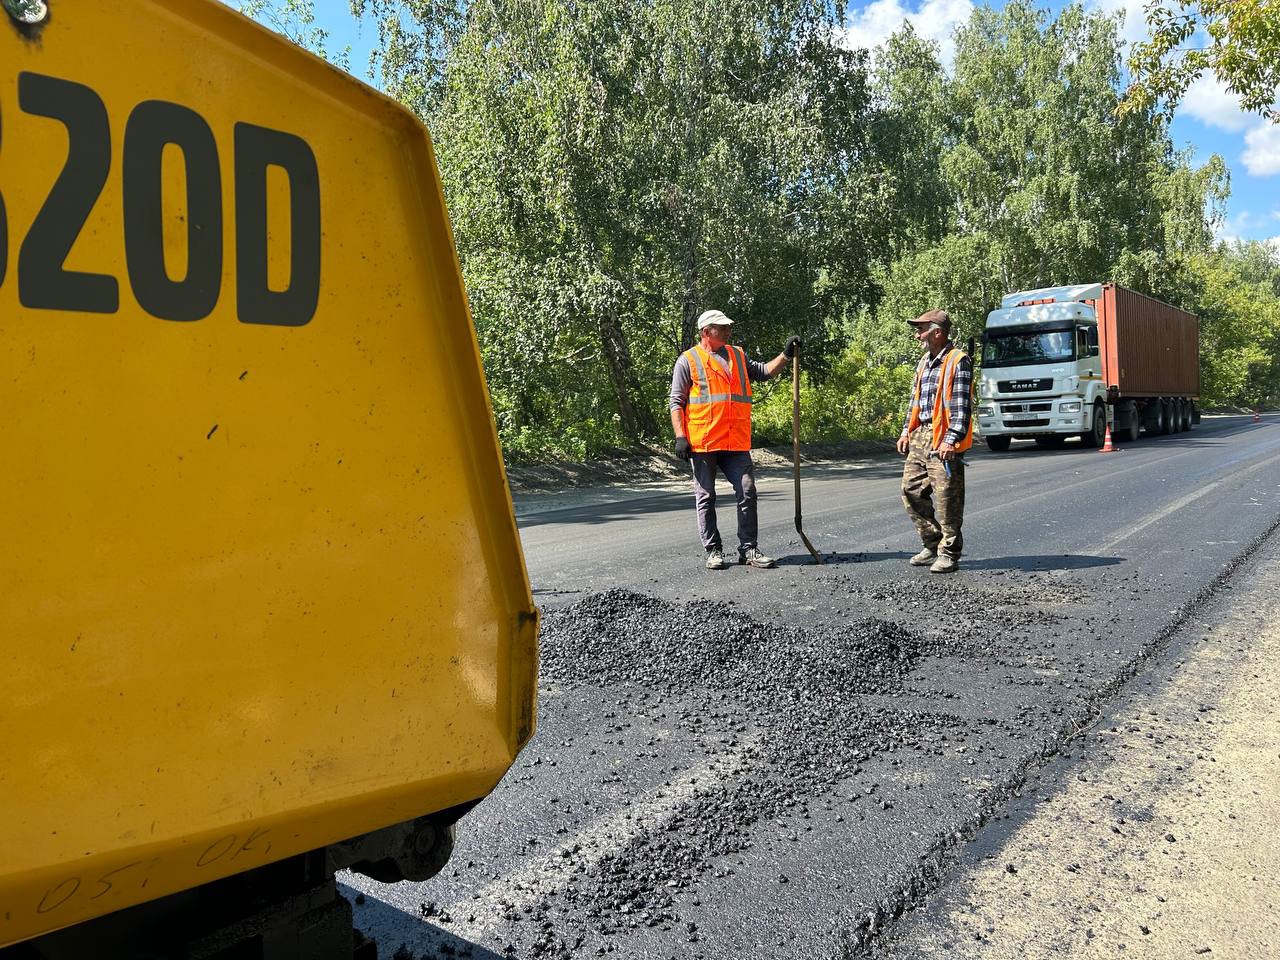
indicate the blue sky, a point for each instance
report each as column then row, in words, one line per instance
column 1209, row 120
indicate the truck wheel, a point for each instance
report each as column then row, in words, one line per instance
column 1188, row 415
column 1162, row 417
column 998, row 444
column 1097, row 432
column 1128, row 413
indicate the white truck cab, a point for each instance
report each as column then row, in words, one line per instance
column 1041, row 369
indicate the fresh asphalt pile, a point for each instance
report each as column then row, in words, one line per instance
column 623, row 637
column 792, row 703
column 817, row 724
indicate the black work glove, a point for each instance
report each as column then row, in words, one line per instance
column 683, row 450
column 794, row 344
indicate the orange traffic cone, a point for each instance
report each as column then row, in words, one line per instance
column 1257, row 417
column 1107, row 446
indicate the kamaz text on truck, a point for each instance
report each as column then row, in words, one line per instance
column 1065, row 362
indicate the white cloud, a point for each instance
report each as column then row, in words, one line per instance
column 1232, row 229
column 1135, row 17
column 1245, row 226
column 1262, row 149
column 935, row 20
column 1210, row 102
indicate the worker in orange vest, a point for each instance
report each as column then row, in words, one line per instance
column 937, row 432
column 711, row 416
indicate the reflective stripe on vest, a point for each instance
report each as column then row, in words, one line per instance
column 718, row 412
column 941, row 421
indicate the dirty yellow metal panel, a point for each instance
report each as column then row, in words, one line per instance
column 262, row 588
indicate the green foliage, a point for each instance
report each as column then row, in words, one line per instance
column 1042, row 167
column 614, row 167
column 858, row 399
column 1238, row 41
column 296, row 19
column 960, row 273
column 1239, row 326
column 914, row 124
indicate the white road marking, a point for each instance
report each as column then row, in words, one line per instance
column 552, row 871
column 1178, row 505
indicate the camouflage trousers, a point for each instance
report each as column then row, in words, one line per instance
column 934, row 501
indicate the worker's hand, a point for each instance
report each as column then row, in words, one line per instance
column 946, row 451
column 683, row 450
column 904, row 444
column 794, row 344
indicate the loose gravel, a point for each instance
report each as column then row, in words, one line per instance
column 793, row 704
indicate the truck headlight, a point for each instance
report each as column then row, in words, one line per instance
column 1073, row 407
column 987, row 411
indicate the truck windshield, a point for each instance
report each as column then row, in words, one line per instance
column 1014, row 349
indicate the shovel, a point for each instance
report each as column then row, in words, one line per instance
column 795, row 447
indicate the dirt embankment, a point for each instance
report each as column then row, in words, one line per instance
column 657, row 465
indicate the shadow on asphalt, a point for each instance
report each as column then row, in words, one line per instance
column 429, row 939
column 1029, row 564
column 1062, row 561
column 615, row 510
column 837, row 558
column 666, row 502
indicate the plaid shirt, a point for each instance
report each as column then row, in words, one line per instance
column 930, row 371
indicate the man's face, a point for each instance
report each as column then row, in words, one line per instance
column 717, row 334
column 930, row 337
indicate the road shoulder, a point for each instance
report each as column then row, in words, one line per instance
column 1153, row 835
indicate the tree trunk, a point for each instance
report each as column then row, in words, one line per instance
column 691, row 300
column 637, row 420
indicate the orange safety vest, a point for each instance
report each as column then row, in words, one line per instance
column 718, row 413
column 941, row 401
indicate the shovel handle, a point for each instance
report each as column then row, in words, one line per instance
column 795, row 449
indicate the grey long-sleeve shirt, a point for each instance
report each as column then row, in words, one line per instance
column 682, row 376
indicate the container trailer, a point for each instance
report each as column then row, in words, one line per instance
column 1064, row 362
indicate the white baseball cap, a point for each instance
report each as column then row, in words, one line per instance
column 710, row 317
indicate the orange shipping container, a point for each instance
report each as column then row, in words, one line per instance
column 1149, row 349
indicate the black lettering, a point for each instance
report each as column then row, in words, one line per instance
column 216, row 850
column 58, row 895
column 42, row 282
column 4, row 222
column 152, row 125
column 257, row 148
column 107, row 884
column 250, row 844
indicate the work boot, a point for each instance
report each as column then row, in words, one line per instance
column 754, row 558
column 945, row 564
column 716, row 560
column 924, row 557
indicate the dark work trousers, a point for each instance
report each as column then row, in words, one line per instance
column 738, row 469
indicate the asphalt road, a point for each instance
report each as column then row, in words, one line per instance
column 1153, row 835
column 777, row 763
